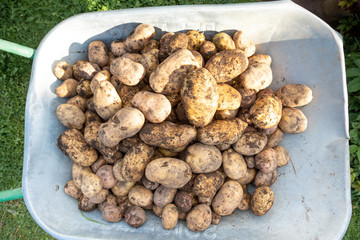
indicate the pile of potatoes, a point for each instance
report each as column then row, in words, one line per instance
column 178, row 126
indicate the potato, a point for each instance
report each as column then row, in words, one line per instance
column 90, row 104
column 83, row 89
column 227, row 65
column 167, row 153
column 135, row 216
column 67, row 88
column 164, row 51
column 85, row 204
column 234, row 164
column 262, row 200
column 188, row 186
column 250, row 143
column 100, row 196
column 109, row 201
column 294, row 95
column 266, row 111
column 122, row 188
column 127, row 143
column 118, row 48
column 266, row 160
column 112, row 213
column 106, row 100
column 91, row 185
column 293, row 120
column 150, row 61
column 248, row 178
column 136, row 57
column 70, row 116
column 149, row 184
column 98, row 163
column 139, row 38
column 134, row 162
column 245, row 202
column 226, row 114
column 223, row 41
column 205, row 200
column 228, row 198
column 155, row 107
column 195, row 39
column 257, row 76
column 63, row 70
column 283, row 157
column 157, row 210
column 167, row 135
column 78, row 172
column 72, row 143
column 125, row 123
column 78, row 101
column 207, row 50
column 98, row 53
column 206, row 185
column 223, row 147
column 160, row 77
column 103, row 75
column 229, row 97
column 176, row 79
column 182, row 216
column 265, row 179
column 244, row 44
column 176, row 42
column 275, row 138
column 127, row 93
column 260, row 58
column 111, row 58
column 150, row 45
column 127, row 71
column 203, row 158
column 84, row 70
column 140, row 196
column 105, row 173
column 72, row 190
column 248, row 96
column 174, row 99
column 183, row 201
column 250, row 161
column 169, row 217
column 221, row 132
column 215, row 218
column 199, row 218
column 91, row 117
column 170, row 172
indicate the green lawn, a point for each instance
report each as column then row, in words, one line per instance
column 27, row 22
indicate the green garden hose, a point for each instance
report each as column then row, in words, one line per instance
column 12, row 194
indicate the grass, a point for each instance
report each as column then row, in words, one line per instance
column 27, row 22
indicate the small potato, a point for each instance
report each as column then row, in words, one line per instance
column 207, row 50
column 100, row 196
column 182, row 216
column 90, row 104
column 105, row 173
column 199, row 218
column 227, row 65
column 112, row 213
column 103, row 75
column 91, row 117
column 257, row 76
column 245, row 202
column 226, row 114
column 150, row 45
column 85, row 204
column 91, row 185
column 157, row 210
column 228, row 198
column 203, row 158
column 229, row 97
column 176, row 42
column 223, row 147
column 72, row 143
column 127, row 71
column 84, row 70
column 150, row 61
column 70, row 116
column 125, row 123
column 71, row 190
column 294, row 95
column 260, row 58
column 167, row 135
column 78, row 173
column 262, row 200
column 195, row 39
column 275, row 138
column 283, row 157
column 128, row 143
column 67, row 88
column 122, row 188
column 250, row 161
column 140, row 196
column 250, row 143
column 135, row 216
column 127, row 93
column 215, row 218
column 136, row 57
column 149, row 184
column 139, row 38
column 78, row 101
column 206, row 185
column 170, row 172
column 183, row 201
column 98, row 53
column 83, row 89
column 63, row 70
column 98, row 163
column 169, row 217
column 221, row 132
column 118, row 48
column 223, row 41
column 293, row 120
column 188, row 186
column 205, row 200
column 244, row 44
column 266, row 160
column 155, row 107
column 176, row 79
column 265, row 179
column 266, row 111
column 164, row 46
column 109, row 201
column 248, row 96
column 248, row 178
column 234, row 164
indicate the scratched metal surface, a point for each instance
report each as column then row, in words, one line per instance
column 312, row 204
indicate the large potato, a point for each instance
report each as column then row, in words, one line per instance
column 266, row 111
column 203, row 158
column 221, row 132
column 229, row 97
column 91, row 185
column 140, row 196
column 125, row 123
column 293, row 120
column 78, row 173
column 260, row 58
column 72, row 190
column 127, row 71
column 283, row 156
column 167, row 135
column 227, row 65
column 266, row 160
column 98, row 53
column 262, row 200
column 200, row 96
column 72, row 143
column 294, row 95
column 67, row 88
column 206, row 185
column 155, row 107
column 169, row 217
column 223, row 41
column 139, row 38
column 70, row 116
column 250, row 143
column 164, row 196
column 244, row 44
column 63, row 70
column 228, row 198
column 234, row 164
column 199, row 218
column 257, row 76
column 170, row 172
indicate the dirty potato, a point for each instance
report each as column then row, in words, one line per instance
column 109, row 201
column 78, row 101
column 234, row 164
column 118, row 48
column 84, row 70
column 122, row 188
column 207, row 50
column 195, row 39
column 294, row 95
column 228, row 198
column 266, row 160
column 266, row 111
column 91, row 117
column 176, row 79
column 206, row 185
column 106, row 100
column 164, row 196
column 258, row 76
column 136, row 57
column 262, row 200
column 63, row 70
column 265, row 179
column 139, row 38
column 105, row 173
column 223, row 41
column 67, row 88
column 244, row 44
column 245, row 202
column 248, row 96
column 248, row 178
column 103, row 75
column 85, row 204
column 112, row 213
column 98, row 53
column 72, row 190
column 83, row 89
column 98, row 163
column 100, row 196
column 127, row 71
column 140, row 196
column 275, row 138
column 157, row 210
column 199, row 218
column 164, row 46
column 149, row 184
column 250, row 143
column 229, row 97
column 250, row 161
column 135, row 216
column 91, row 185
column 150, row 45
column 283, row 156
column 183, row 201
column 203, row 158
column 150, row 61
column 70, row 116
column 176, row 42
column 169, row 217
column 78, row 172
column 226, row 114
column 293, row 120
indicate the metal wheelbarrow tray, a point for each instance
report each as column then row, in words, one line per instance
column 313, row 203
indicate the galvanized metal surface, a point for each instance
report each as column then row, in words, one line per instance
column 312, row 204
